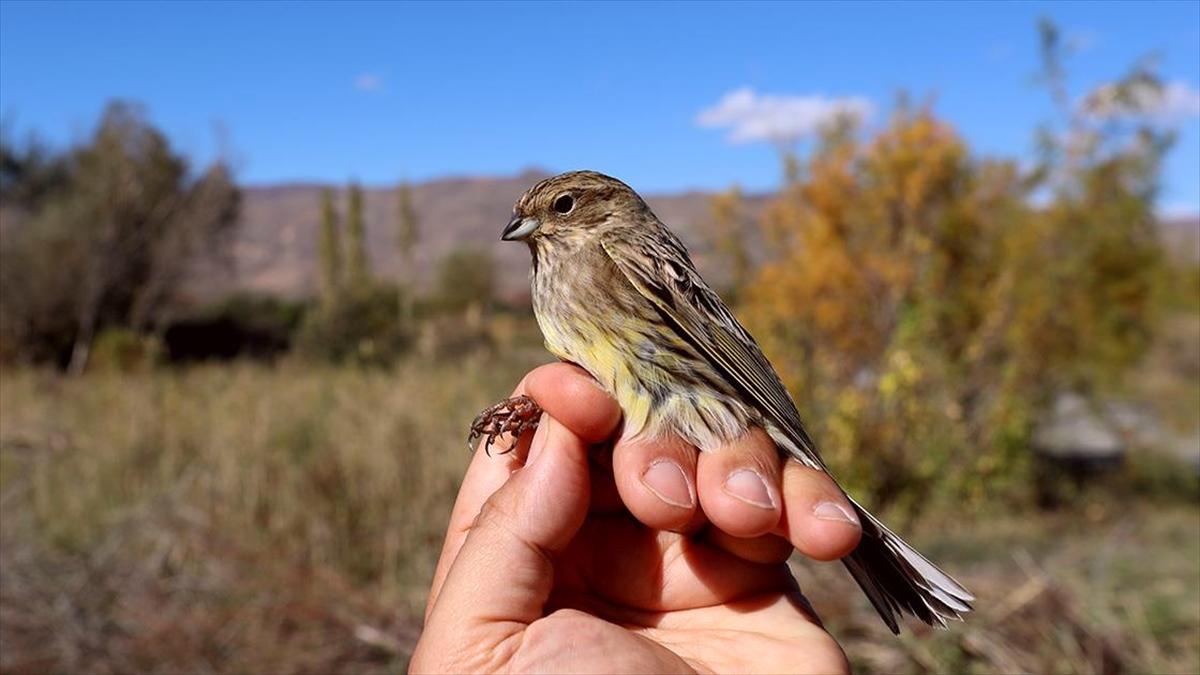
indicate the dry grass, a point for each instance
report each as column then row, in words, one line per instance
column 227, row 519
column 253, row 519
column 1105, row 588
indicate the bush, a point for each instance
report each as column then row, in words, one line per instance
column 466, row 277
column 124, row 350
column 260, row 327
column 1158, row 475
column 358, row 327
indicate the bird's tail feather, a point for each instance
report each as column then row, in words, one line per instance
column 897, row 579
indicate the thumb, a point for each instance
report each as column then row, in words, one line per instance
column 503, row 575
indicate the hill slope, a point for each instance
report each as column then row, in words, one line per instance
column 274, row 249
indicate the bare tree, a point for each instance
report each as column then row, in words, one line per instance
column 111, row 245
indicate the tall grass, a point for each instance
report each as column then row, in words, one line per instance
column 203, row 484
column 247, row 518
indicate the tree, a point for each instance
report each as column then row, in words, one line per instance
column 1100, row 164
column 926, row 308
column 730, row 229
column 330, row 252
column 466, row 278
column 876, row 248
column 358, row 264
column 29, row 173
column 112, row 243
column 408, row 234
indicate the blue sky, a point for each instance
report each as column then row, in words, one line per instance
column 381, row 91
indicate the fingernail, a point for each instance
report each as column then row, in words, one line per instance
column 835, row 511
column 668, row 482
column 747, row 486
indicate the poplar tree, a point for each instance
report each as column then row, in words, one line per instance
column 330, row 252
column 358, row 265
column 408, row 232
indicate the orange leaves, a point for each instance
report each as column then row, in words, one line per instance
column 852, row 238
column 923, row 310
column 913, row 166
column 883, row 272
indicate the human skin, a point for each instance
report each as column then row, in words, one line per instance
column 561, row 557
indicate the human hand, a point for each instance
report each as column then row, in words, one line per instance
column 559, row 563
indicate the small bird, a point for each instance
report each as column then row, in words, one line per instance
column 616, row 293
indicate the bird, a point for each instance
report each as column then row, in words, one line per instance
column 615, row 292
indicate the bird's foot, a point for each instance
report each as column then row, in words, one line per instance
column 513, row 416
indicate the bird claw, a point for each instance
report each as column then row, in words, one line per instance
column 513, row 416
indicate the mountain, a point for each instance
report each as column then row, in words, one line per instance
column 274, row 247
column 1181, row 237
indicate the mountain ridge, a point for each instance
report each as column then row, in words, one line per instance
column 273, row 247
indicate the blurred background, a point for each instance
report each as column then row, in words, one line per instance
column 251, row 295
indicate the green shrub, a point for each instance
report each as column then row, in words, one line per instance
column 242, row 325
column 359, row 327
column 466, row 277
column 1158, row 475
column 124, row 350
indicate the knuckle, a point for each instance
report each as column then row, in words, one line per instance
column 496, row 512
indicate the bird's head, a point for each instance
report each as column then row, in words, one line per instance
column 571, row 207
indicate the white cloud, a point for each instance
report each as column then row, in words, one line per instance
column 1179, row 100
column 368, row 82
column 1173, row 102
column 752, row 117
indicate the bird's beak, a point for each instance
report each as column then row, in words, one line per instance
column 519, row 228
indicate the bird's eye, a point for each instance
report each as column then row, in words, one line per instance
column 563, row 204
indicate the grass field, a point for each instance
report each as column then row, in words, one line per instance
column 248, row 518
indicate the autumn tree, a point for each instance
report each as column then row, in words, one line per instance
column 1097, row 242
column 926, row 312
column 729, row 231
column 884, row 255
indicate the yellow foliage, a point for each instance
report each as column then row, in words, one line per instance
column 923, row 312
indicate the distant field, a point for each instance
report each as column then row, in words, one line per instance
column 246, row 518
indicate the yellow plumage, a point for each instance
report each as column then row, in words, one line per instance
column 616, row 293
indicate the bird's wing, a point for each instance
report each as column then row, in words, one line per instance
column 894, row 575
column 661, row 270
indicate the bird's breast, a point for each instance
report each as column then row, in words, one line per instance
column 593, row 317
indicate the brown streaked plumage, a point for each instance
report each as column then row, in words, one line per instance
column 615, row 292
